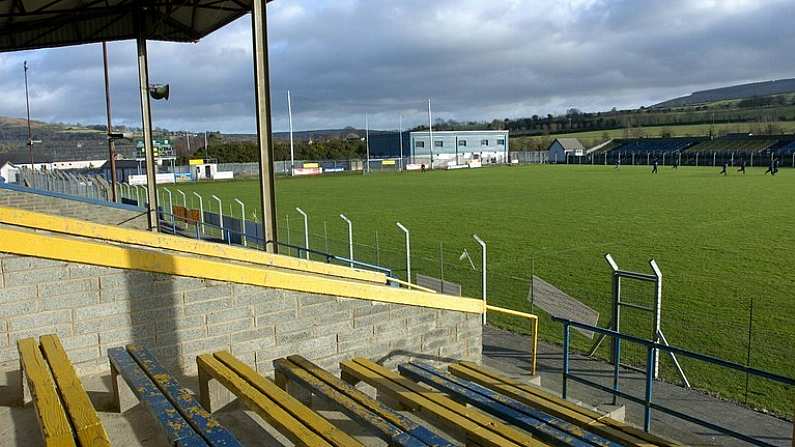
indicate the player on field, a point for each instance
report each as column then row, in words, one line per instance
column 771, row 168
column 742, row 167
column 654, row 167
column 723, row 169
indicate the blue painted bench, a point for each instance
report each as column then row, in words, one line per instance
column 389, row 425
column 545, row 427
column 554, row 405
column 183, row 420
column 469, row 425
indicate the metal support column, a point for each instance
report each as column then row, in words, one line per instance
column 259, row 28
column 146, row 121
column 111, row 143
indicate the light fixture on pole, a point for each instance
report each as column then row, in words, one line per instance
column 483, row 247
column 159, row 91
column 350, row 238
column 306, row 230
column 408, row 250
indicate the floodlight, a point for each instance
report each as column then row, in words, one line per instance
column 159, row 91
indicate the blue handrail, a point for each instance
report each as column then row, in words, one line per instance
column 169, row 225
column 647, row 401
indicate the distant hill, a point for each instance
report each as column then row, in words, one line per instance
column 741, row 91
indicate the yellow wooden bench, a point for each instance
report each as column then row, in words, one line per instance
column 549, row 403
column 474, row 426
column 290, row 417
column 51, row 379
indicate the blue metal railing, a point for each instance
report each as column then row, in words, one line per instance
column 648, row 400
column 168, row 224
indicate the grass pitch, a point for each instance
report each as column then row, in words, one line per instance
column 724, row 244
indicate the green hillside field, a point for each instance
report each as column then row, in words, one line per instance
column 724, row 244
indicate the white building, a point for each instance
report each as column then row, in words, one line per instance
column 8, row 173
column 461, row 147
column 562, row 148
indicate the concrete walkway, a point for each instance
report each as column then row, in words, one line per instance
column 511, row 353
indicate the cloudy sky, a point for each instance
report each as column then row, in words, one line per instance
column 476, row 59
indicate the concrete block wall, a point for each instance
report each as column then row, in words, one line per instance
column 31, row 201
column 95, row 308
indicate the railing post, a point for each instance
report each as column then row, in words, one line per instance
column 564, row 392
column 650, row 351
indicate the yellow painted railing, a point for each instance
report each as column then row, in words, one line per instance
column 77, row 227
column 533, row 322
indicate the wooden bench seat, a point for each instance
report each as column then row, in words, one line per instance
column 391, row 426
column 539, row 398
column 544, row 426
column 290, row 417
column 51, row 379
column 183, row 420
column 474, row 426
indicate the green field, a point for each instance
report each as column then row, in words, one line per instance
column 721, row 242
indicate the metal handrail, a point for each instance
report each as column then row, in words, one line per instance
column 533, row 321
column 171, row 224
column 647, row 401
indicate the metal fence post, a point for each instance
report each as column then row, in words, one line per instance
column 201, row 209
column 350, row 238
column 650, row 351
column 408, row 250
column 306, row 230
column 483, row 247
column 242, row 222
column 565, row 390
column 220, row 216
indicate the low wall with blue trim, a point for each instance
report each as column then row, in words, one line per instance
column 72, row 206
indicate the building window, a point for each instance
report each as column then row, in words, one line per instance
column 419, row 144
column 462, row 143
column 484, row 142
column 501, row 142
column 438, row 143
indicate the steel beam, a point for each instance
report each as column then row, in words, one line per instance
column 146, row 121
column 259, row 28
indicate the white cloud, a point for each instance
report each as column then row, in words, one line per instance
column 478, row 60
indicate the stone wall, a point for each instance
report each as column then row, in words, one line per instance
column 76, row 207
column 95, row 308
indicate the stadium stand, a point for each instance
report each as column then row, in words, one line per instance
column 653, row 145
column 734, row 145
column 784, row 147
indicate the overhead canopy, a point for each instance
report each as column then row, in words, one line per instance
column 29, row 24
